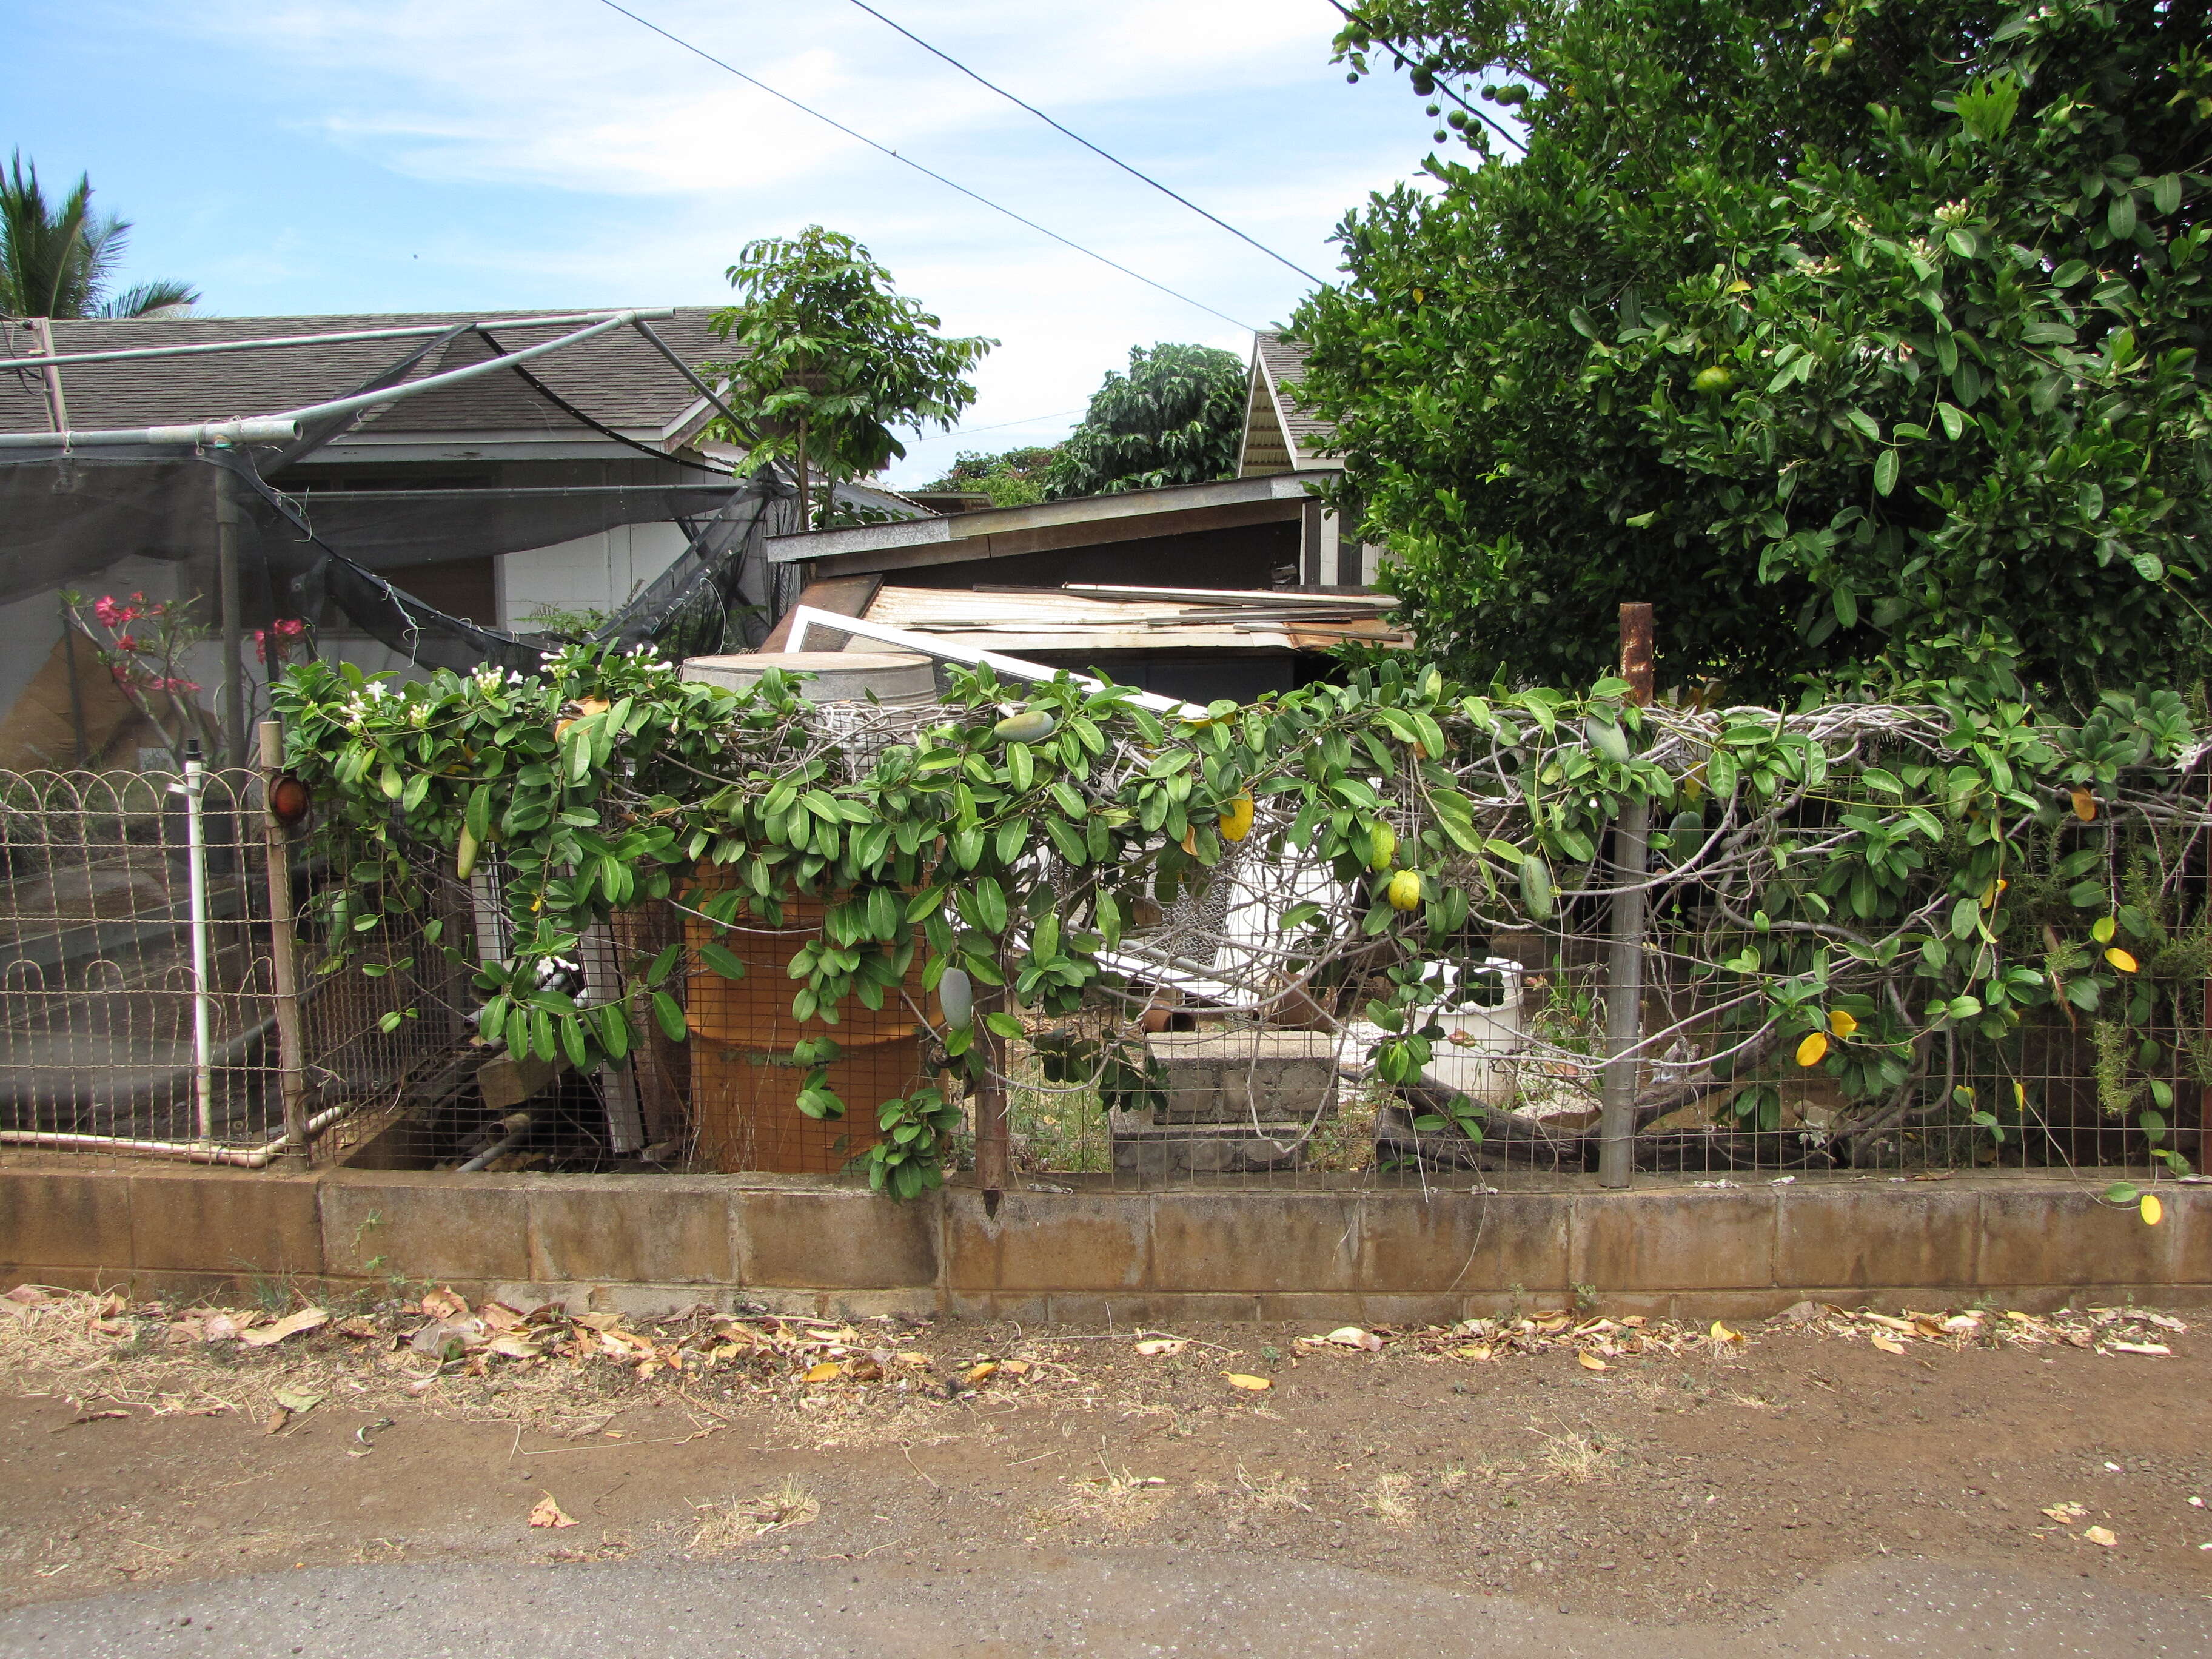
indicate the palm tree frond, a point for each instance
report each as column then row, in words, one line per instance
column 161, row 298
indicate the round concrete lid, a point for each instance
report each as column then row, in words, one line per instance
column 835, row 674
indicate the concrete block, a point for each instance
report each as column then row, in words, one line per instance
column 1874, row 1236
column 1672, row 1238
column 617, row 1229
column 1245, row 1076
column 426, row 1227
column 1048, row 1242
column 2059, row 1234
column 1147, row 1148
column 833, row 1238
column 1464, row 1243
column 241, row 1221
column 1255, row 1241
column 54, row 1218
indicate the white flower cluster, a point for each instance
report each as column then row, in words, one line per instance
column 1954, row 213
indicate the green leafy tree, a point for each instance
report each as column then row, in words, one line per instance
column 1011, row 478
column 60, row 260
column 1174, row 418
column 1865, row 345
column 831, row 358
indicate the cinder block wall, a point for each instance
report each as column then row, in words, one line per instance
column 1269, row 1252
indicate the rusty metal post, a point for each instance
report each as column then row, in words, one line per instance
column 1624, row 985
column 283, row 956
column 993, row 1142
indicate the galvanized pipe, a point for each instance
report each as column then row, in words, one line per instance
column 1624, row 985
column 412, row 332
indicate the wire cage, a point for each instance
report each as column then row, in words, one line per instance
column 146, row 1006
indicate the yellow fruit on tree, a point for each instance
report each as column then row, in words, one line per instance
column 1812, row 1049
column 1405, row 891
column 1842, row 1023
column 1236, row 821
column 2153, row 1211
column 1715, row 379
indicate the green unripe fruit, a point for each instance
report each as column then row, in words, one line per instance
column 1382, row 846
column 1714, row 381
column 1031, row 725
column 1608, row 739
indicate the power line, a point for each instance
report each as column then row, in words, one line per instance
column 806, row 109
column 961, row 432
column 1104, row 154
column 1405, row 58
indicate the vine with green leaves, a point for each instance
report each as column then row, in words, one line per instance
column 1905, row 898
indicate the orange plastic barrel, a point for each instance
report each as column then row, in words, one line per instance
column 745, row 1084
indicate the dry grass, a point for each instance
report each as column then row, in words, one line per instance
column 1115, row 1501
column 1277, row 1492
column 1575, row 1457
column 728, row 1526
column 1391, row 1502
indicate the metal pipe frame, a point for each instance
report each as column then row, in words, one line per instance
column 208, row 347
column 282, row 427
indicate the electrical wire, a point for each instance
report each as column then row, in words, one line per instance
column 961, row 432
column 831, row 121
column 1405, row 58
column 1103, row 154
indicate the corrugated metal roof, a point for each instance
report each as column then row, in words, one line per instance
column 615, row 378
column 1029, row 620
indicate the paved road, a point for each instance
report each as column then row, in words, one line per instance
column 1123, row 1602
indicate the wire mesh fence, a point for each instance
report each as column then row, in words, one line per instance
column 143, row 1010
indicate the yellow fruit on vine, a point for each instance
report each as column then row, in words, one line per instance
column 2121, row 960
column 1714, row 381
column 1405, row 891
column 1809, row 1052
column 1237, row 821
column 1842, row 1023
column 1382, row 846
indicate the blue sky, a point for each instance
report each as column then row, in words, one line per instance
column 456, row 155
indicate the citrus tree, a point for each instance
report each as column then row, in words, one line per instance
column 1863, row 343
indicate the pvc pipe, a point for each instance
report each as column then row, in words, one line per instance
column 196, row 1151
column 194, row 783
column 805, row 616
column 414, row 331
column 451, row 376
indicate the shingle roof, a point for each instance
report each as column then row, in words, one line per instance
column 616, row 378
column 1283, row 361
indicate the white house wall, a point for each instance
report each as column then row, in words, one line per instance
column 598, row 571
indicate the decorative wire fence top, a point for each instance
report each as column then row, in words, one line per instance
column 139, row 992
column 1390, row 924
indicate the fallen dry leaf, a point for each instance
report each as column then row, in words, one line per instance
column 2103, row 1535
column 1350, row 1336
column 1159, row 1347
column 1474, row 1350
column 549, row 1514
column 1016, row 1368
column 298, row 1401
column 1887, row 1345
column 2065, row 1514
column 1721, row 1332
column 444, row 1304
column 2159, row 1349
column 291, row 1325
column 828, row 1370
column 980, row 1373
column 1590, row 1362
column 1240, row 1380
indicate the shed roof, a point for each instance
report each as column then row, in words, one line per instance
column 616, row 378
column 1027, row 621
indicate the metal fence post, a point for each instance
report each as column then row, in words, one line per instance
column 1624, row 985
column 283, row 960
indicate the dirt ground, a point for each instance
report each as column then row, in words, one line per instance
column 1684, row 1475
